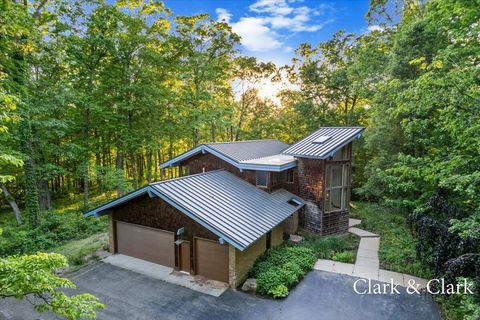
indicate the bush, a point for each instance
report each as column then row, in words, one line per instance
column 281, row 268
column 54, row 230
column 345, row 256
column 303, row 257
column 279, row 291
column 327, row 247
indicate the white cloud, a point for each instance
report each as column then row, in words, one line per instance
column 223, row 15
column 275, row 7
column 262, row 31
column 256, row 36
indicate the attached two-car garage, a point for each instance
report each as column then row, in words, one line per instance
column 195, row 224
column 158, row 246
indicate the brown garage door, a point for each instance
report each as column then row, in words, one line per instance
column 211, row 259
column 145, row 243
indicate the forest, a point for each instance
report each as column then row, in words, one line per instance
column 95, row 95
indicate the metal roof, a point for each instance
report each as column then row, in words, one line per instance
column 311, row 147
column 247, row 150
column 228, row 206
column 242, row 154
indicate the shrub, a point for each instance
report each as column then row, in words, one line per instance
column 326, row 247
column 54, row 229
column 279, row 291
column 268, row 280
column 345, row 256
column 281, row 268
column 303, row 257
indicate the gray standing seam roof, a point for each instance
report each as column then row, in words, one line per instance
column 339, row 137
column 228, row 206
column 236, row 209
column 248, row 150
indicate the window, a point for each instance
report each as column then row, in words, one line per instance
column 262, row 178
column 274, row 176
column 289, row 176
column 184, row 171
column 269, row 240
column 337, row 191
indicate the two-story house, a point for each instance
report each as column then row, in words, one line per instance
column 233, row 201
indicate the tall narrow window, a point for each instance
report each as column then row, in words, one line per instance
column 262, row 178
column 289, row 176
column 337, row 189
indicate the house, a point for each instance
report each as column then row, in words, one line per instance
column 233, row 201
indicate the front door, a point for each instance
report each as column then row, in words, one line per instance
column 185, row 256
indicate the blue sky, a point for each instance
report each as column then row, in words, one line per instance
column 272, row 29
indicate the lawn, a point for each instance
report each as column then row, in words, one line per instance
column 79, row 252
column 397, row 245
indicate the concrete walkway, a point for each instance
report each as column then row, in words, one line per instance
column 156, row 271
column 367, row 264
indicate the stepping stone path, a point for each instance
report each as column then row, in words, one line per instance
column 367, row 264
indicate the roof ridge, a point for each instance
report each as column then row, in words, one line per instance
column 339, row 127
column 242, row 141
column 185, row 177
column 272, row 155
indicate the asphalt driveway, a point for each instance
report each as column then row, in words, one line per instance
column 321, row 295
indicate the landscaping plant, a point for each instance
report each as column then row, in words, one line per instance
column 34, row 276
column 281, row 268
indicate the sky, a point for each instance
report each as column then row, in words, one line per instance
column 272, row 29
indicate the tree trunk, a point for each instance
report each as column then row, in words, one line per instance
column 31, row 186
column 196, row 137
column 134, row 169
column 119, row 169
column 149, row 166
column 85, row 163
column 12, row 203
column 214, row 131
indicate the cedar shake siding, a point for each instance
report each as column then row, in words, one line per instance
column 311, row 180
column 311, row 176
column 156, row 213
column 208, row 162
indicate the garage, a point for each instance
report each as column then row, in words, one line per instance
column 211, row 259
column 145, row 243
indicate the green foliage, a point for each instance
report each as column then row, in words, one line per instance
column 460, row 306
column 281, row 268
column 397, row 246
column 280, row 291
column 54, row 230
column 327, row 247
column 35, row 275
column 345, row 256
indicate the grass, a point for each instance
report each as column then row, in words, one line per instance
column 329, row 247
column 77, row 251
column 60, row 227
column 397, row 245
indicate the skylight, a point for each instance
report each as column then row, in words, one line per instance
column 321, row 139
column 294, row 202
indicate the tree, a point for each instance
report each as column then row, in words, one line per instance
column 248, row 74
column 206, row 50
column 34, row 276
